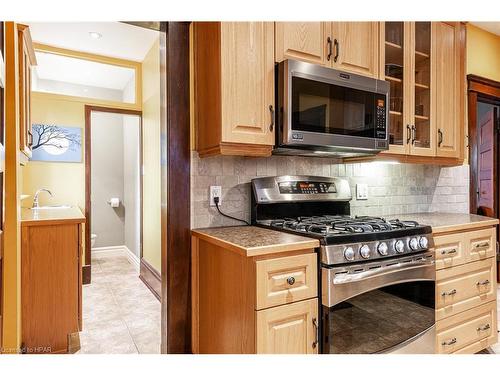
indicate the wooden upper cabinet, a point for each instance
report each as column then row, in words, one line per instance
column 347, row 46
column 356, row 47
column 450, row 88
column 305, row 41
column 234, row 88
column 26, row 58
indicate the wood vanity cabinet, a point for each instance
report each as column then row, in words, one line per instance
column 424, row 63
column 347, row 46
column 466, row 290
column 234, row 88
column 26, row 55
column 264, row 304
column 51, row 279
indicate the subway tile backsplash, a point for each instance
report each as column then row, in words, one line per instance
column 392, row 188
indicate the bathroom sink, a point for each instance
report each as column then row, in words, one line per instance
column 58, row 207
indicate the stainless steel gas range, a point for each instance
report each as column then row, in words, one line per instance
column 376, row 276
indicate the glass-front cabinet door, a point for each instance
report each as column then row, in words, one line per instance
column 395, row 71
column 422, row 137
column 407, row 54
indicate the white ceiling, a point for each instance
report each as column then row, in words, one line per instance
column 118, row 39
column 492, row 27
column 81, row 72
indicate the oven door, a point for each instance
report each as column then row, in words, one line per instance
column 323, row 107
column 379, row 310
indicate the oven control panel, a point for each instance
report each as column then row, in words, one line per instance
column 306, row 187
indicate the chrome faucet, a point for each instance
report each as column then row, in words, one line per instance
column 35, row 199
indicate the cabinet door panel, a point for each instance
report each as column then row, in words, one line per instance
column 357, row 47
column 247, row 71
column 288, row 329
column 304, row 41
column 448, row 95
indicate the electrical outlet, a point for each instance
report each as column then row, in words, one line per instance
column 361, row 192
column 215, row 191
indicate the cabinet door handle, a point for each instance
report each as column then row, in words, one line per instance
column 337, row 50
column 484, row 327
column 450, row 342
column 30, row 139
column 290, row 280
column 271, row 126
column 316, row 333
column 483, row 283
column 408, row 130
column 440, row 134
column 448, row 252
column 414, row 134
column 449, row 293
column 329, row 42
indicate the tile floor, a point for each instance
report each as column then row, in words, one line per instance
column 120, row 314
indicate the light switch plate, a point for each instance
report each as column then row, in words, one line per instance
column 361, row 192
column 215, row 191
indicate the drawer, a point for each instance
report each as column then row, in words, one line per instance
column 285, row 280
column 449, row 250
column 473, row 329
column 481, row 244
column 464, row 247
column 464, row 287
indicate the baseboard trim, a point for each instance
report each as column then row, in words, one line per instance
column 151, row 278
column 86, row 274
column 117, row 250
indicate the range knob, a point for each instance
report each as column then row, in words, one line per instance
column 349, row 253
column 423, row 242
column 399, row 246
column 413, row 243
column 364, row 251
column 382, row 248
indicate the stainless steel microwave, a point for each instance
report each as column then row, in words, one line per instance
column 326, row 112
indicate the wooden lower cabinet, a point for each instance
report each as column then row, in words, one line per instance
column 466, row 291
column 253, row 304
column 288, row 329
column 51, row 287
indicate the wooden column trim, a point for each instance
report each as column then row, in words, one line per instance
column 176, row 159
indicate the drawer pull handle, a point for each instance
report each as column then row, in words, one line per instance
column 290, row 280
column 450, row 342
column 482, row 246
column 450, row 293
column 316, row 333
column 484, row 327
column 448, row 252
column 483, row 283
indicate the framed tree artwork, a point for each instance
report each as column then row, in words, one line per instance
column 55, row 143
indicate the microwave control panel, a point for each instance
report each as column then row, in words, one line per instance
column 381, row 120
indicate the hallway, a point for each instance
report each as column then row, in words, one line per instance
column 120, row 314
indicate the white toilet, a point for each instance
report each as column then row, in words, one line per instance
column 93, row 237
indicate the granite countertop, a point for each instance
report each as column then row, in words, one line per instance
column 51, row 216
column 252, row 241
column 442, row 222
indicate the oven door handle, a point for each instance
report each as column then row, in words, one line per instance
column 338, row 287
column 398, row 267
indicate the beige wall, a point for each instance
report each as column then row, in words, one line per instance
column 65, row 180
column 151, row 157
column 483, row 53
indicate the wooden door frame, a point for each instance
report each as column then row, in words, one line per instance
column 480, row 89
column 87, row 268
